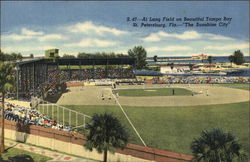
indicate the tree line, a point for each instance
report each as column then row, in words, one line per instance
column 10, row 57
column 237, row 58
column 95, row 55
column 137, row 52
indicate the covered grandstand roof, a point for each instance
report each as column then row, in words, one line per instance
column 97, row 61
column 82, row 61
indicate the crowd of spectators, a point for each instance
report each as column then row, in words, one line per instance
column 38, row 82
column 100, row 73
column 55, row 79
column 121, row 73
column 30, row 116
column 200, row 80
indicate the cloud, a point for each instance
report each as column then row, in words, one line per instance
column 218, row 54
column 216, row 37
column 125, row 51
column 184, row 36
column 62, row 52
column 24, row 35
column 228, row 47
column 152, row 38
column 88, row 27
column 169, row 48
column 51, row 37
column 40, row 38
column 91, row 42
column 15, row 37
column 187, row 35
column 10, row 49
column 28, row 32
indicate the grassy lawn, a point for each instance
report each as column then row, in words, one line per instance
column 154, row 92
column 238, row 86
column 174, row 128
column 11, row 152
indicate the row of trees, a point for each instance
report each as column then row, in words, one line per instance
column 10, row 57
column 95, row 55
column 237, row 58
column 137, row 52
column 101, row 55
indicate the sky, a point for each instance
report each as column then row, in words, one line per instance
column 72, row 27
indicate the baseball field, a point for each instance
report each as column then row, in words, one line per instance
column 166, row 119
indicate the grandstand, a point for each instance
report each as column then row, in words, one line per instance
column 37, row 76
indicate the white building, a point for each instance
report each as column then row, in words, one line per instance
column 174, row 69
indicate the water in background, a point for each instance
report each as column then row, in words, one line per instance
column 216, row 59
column 243, row 73
column 221, row 59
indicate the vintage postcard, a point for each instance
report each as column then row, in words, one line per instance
column 125, row 81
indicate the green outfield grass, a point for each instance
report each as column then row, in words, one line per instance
column 154, row 92
column 11, row 152
column 174, row 128
column 238, row 86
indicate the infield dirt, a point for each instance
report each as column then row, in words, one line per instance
column 205, row 95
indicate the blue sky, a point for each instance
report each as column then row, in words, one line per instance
column 32, row 27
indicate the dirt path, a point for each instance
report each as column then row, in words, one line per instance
column 216, row 95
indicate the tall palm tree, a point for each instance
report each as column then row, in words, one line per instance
column 105, row 133
column 217, row 146
column 6, row 84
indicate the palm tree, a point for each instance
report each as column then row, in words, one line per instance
column 105, row 133
column 6, row 84
column 217, row 146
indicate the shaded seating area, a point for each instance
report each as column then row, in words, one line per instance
column 30, row 116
